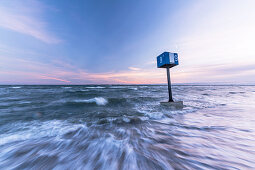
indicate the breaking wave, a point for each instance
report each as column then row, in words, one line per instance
column 15, row 87
column 95, row 87
column 97, row 100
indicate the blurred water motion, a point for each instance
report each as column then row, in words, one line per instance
column 124, row 127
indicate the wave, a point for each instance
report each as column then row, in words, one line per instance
column 49, row 128
column 97, row 100
column 96, row 87
column 66, row 87
column 65, row 128
column 84, row 90
column 133, row 88
column 16, row 87
column 241, row 92
column 123, row 87
column 118, row 87
column 24, row 102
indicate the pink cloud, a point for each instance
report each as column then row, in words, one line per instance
column 54, row 78
column 20, row 71
column 134, row 68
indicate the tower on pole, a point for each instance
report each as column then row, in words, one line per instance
column 168, row 60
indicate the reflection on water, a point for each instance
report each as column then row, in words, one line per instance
column 124, row 127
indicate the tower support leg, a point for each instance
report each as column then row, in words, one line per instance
column 169, row 85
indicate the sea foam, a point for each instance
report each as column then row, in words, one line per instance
column 15, row 87
column 97, row 100
column 96, row 87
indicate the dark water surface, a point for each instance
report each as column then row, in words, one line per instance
column 124, row 127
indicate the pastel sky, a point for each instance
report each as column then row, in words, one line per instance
column 117, row 41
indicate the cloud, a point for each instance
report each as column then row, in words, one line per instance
column 26, row 20
column 221, row 73
column 54, row 78
column 26, row 71
column 134, row 68
column 19, row 70
column 32, row 72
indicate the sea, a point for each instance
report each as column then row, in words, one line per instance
column 108, row 127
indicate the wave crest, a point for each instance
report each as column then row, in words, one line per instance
column 97, row 100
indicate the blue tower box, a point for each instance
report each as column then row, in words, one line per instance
column 167, row 59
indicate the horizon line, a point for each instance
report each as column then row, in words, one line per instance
column 159, row 84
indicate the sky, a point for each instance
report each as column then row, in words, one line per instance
column 117, row 41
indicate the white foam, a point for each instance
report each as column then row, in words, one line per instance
column 118, row 87
column 66, row 87
column 84, row 90
column 97, row 100
column 16, row 87
column 96, row 87
column 123, row 87
column 13, row 137
column 39, row 129
column 133, row 88
column 125, row 119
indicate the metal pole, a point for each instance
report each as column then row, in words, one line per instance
column 169, row 85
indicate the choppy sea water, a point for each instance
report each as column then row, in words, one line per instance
column 125, row 127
